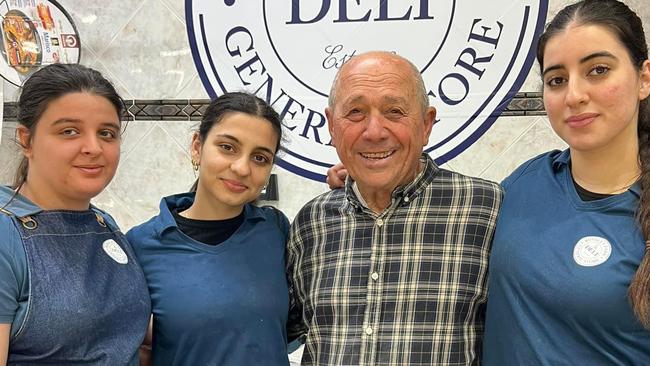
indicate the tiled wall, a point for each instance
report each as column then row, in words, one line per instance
column 142, row 47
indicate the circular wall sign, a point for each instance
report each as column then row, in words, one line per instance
column 473, row 56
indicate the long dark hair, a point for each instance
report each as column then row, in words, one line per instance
column 241, row 102
column 628, row 28
column 52, row 82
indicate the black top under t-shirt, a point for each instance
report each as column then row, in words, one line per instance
column 211, row 232
column 586, row 195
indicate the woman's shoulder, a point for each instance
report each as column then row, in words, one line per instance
column 144, row 231
column 275, row 216
column 10, row 244
column 10, row 236
column 541, row 163
column 153, row 228
column 13, row 269
column 13, row 203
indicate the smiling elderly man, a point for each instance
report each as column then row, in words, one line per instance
column 390, row 270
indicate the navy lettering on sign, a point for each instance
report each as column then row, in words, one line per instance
column 343, row 16
column 467, row 60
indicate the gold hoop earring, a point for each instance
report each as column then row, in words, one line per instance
column 195, row 165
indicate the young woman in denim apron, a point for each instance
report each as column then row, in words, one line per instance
column 71, row 290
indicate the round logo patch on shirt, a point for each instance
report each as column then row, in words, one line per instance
column 591, row 251
column 115, row 251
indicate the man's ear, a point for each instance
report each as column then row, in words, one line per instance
column 330, row 125
column 24, row 138
column 429, row 120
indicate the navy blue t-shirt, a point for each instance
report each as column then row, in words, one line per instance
column 560, row 269
column 216, row 305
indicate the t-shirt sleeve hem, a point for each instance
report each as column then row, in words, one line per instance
column 6, row 319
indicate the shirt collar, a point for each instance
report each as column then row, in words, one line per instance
column 185, row 200
column 406, row 192
column 19, row 205
column 562, row 161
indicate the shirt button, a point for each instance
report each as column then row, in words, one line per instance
column 374, row 276
column 380, row 222
column 368, row 331
column 406, row 199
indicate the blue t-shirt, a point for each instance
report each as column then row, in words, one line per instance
column 559, row 273
column 216, row 305
column 14, row 283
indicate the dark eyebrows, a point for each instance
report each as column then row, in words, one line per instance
column 265, row 149
column 229, row 137
column 582, row 60
column 66, row 120
column 597, row 54
column 78, row 121
column 114, row 125
column 235, row 139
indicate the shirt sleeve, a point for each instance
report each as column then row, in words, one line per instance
column 13, row 268
column 296, row 326
column 285, row 225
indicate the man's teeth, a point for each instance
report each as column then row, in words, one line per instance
column 377, row 155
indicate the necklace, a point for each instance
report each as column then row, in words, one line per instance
column 617, row 190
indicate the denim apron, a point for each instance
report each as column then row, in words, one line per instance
column 88, row 301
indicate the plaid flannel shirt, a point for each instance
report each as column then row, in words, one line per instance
column 403, row 287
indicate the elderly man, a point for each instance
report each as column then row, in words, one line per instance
column 390, row 270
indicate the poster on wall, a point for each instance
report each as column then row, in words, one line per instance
column 34, row 33
column 473, row 56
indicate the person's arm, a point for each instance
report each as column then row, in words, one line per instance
column 336, row 176
column 5, row 330
column 13, row 281
column 145, row 348
column 296, row 326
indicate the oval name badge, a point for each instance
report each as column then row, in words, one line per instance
column 114, row 251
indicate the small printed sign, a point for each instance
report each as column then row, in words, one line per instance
column 35, row 33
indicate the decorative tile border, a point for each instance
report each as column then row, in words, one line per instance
column 523, row 104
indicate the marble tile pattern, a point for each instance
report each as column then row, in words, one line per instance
column 141, row 45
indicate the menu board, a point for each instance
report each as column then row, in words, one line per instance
column 35, row 33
